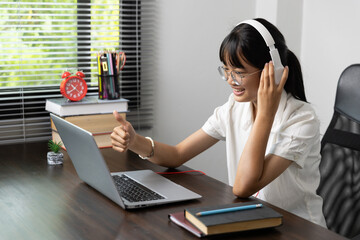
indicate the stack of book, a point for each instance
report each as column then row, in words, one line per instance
column 91, row 114
column 225, row 219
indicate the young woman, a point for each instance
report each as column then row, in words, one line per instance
column 271, row 132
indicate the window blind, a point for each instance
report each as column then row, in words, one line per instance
column 41, row 39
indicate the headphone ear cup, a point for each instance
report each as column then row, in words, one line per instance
column 278, row 72
column 278, row 67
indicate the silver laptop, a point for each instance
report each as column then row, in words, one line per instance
column 92, row 169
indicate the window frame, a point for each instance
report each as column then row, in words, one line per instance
column 23, row 116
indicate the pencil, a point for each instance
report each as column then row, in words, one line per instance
column 225, row 210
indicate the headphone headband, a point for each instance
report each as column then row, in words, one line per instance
column 262, row 30
column 269, row 40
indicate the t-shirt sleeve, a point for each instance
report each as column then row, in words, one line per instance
column 215, row 126
column 297, row 136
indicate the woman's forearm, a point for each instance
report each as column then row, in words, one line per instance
column 251, row 164
column 164, row 155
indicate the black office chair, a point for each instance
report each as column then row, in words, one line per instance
column 340, row 162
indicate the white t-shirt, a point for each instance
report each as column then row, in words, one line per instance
column 294, row 135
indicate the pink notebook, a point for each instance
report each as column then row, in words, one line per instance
column 179, row 219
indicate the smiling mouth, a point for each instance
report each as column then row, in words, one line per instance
column 239, row 89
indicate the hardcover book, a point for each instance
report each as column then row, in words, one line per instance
column 96, row 124
column 88, row 105
column 257, row 218
column 102, row 140
column 100, row 125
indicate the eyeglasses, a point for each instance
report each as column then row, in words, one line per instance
column 236, row 76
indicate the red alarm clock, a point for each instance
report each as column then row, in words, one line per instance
column 73, row 88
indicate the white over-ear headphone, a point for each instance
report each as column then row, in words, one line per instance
column 275, row 57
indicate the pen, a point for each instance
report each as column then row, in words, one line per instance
column 225, row 210
column 109, row 63
column 99, row 77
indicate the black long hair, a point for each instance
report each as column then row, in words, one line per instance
column 246, row 42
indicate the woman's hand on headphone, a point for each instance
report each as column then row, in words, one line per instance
column 269, row 93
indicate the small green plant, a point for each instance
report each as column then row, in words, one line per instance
column 54, row 146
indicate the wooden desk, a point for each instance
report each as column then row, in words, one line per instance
column 38, row 201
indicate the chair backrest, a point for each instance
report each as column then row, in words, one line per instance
column 340, row 161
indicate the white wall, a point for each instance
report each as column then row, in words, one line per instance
column 330, row 43
column 188, row 87
column 322, row 33
column 287, row 16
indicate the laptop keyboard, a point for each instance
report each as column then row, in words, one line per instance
column 133, row 191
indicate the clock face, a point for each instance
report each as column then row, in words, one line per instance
column 74, row 88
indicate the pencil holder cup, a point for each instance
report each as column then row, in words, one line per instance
column 109, row 86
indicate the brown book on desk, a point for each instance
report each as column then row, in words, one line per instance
column 96, row 124
column 100, row 125
column 102, row 140
column 235, row 221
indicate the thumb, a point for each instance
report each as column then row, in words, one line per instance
column 119, row 118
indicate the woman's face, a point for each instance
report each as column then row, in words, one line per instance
column 247, row 90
